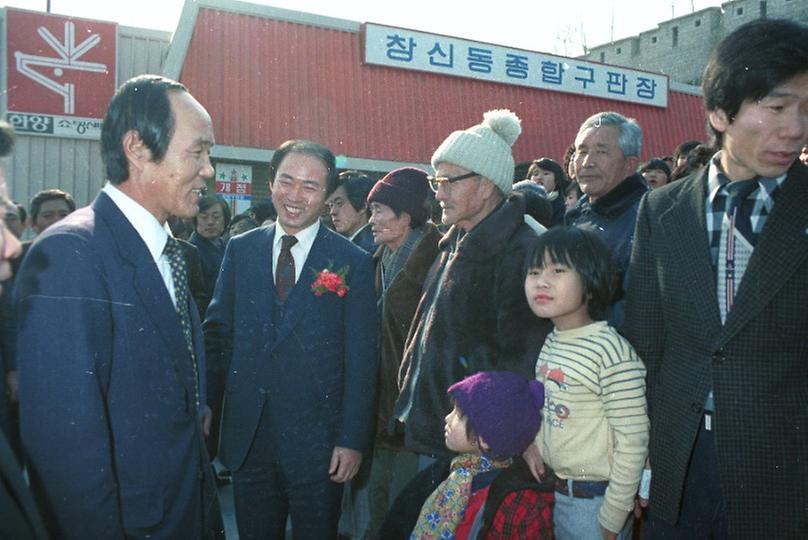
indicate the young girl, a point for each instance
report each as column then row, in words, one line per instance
column 496, row 416
column 595, row 429
column 549, row 174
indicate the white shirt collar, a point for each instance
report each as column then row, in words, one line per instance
column 305, row 238
column 153, row 234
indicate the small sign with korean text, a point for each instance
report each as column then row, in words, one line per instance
column 234, row 183
column 409, row 49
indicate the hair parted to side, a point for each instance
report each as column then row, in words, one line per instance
column 357, row 186
column 50, row 195
column 751, row 62
column 141, row 105
column 309, row 148
column 583, row 251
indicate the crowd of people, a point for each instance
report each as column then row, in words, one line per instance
column 603, row 349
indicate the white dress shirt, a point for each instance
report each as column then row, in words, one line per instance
column 153, row 234
column 300, row 251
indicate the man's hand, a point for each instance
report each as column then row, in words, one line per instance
column 13, row 384
column 344, row 464
column 207, row 418
column 534, row 461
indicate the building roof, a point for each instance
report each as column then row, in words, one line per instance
column 267, row 75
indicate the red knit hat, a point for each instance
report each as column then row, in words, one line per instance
column 404, row 190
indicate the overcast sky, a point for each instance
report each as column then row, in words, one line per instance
column 560, row 27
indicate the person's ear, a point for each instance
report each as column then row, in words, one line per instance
column 135, row 150
column 719, row 120
column 482, row 445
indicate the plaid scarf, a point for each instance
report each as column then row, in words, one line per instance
column 444, row 509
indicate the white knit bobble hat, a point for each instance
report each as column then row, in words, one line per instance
column 485, row 148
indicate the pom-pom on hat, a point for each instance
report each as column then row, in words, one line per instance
column 502, row 407
column 404, row 190
column 485, row 148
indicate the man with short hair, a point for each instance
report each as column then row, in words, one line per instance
column 607, row 150
column 716, row 304
column 349, row 210
column 110, row 348
column 48, row 207
column 293, row 324
column 473, row 315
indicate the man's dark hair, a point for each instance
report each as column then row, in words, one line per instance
column 550, row 165
column 50, row 195
column 209, row 201
column 583, row 251
column 657, row 164
column 309, row 148
column 141, row 104
column 7, row 138
column 357, row 186
column 750, row 63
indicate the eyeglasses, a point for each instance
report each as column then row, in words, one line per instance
column 436, row 181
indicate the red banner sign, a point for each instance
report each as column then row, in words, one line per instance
column 61, row 68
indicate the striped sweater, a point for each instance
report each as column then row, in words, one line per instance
column 595, row 416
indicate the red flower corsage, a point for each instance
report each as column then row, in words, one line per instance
column 329, row 281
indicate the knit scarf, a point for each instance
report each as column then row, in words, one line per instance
column 444, row 509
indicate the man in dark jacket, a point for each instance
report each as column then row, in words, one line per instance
column 716, row 304
column 607, row 150
column 473, row 315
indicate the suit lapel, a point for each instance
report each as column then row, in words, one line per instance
column 301, row 297
column 685, row 232
column 148, row 285
column 781, row 250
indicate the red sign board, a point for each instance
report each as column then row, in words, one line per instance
column 60, row 67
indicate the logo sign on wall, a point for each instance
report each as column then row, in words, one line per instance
column 234, row 183
column 60, row 73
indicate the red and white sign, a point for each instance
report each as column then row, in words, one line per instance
column 234, row 183
column 60, row 73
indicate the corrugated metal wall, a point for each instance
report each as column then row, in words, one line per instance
column 275, row 80
column 74, row 165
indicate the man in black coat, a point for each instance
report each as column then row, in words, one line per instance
column 473, row 315
column 716, row 304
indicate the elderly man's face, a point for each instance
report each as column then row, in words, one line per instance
column 599, row 162
column 174, row 185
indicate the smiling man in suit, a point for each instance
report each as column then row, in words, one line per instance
column 716, row 304
column 110, row 349
column 298, row 346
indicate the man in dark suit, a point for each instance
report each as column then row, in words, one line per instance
column 19, row 517
column 110, row 348
column 349, row 210
column 716, row 304
column 293, row 324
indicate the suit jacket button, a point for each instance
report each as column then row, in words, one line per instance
column 695, row 407
column 719, row 356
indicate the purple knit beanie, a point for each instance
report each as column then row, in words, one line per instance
column 404, row 190
column 502, row 407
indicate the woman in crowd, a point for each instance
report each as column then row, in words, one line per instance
column 656, row 172
column 549, row 174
